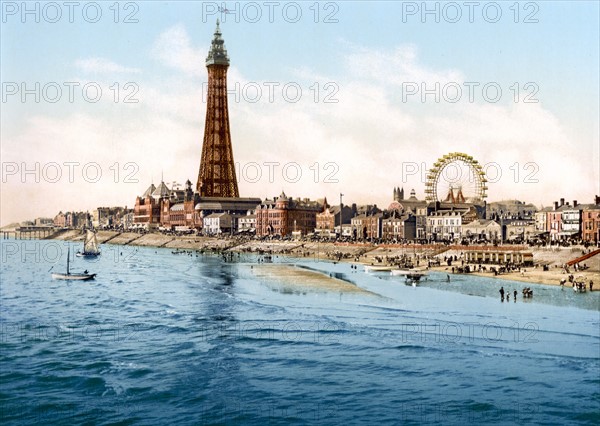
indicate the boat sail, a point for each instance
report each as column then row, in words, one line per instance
column 78, row 276
column 90, row 245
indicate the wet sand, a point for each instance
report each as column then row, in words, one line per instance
column 536, row 276
column 293, row 279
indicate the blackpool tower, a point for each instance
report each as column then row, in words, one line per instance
column 217, row 172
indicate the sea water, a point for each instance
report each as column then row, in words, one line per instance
column 163, row 338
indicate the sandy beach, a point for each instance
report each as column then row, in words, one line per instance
column 360, row 253
column 293, row 279
column 537, row 276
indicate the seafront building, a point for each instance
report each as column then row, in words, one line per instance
column 554, row 222
column 542, row 227
column 510, row 209
column 178, row 208
column 518, row 230
column 219, row 224
column 482, row 230
column 70, row 220
column 247, row 223
column 590, row 222
column 328, row 221
column 571, row 221
column 399, row 226
column 413, row 206
column 183, row 210
column 284, row 216
column 445, row 225
column 146, row 211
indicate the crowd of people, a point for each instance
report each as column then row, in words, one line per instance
column 504, row 294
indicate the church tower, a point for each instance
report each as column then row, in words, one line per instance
column 217, row 172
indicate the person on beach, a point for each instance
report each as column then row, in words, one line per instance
column 448, row 279
column 591, row 285
column 515, row 295
column 501, row 293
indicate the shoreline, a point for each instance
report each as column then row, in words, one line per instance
column 534, row 276
column 356, row 253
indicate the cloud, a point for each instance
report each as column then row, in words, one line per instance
column 103, row 66
column 395, row 67
column 360, row 145
column 174, row 48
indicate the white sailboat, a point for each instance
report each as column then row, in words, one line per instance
column 90, row 245
column 77, row 276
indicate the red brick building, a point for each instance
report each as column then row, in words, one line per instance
column 329, row 218
column 590, row 222
column 146, row 212
column 60, row 220
column 178, row 209
column 554, row 222
column 284, row 215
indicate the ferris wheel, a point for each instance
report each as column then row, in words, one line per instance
column 456, row 178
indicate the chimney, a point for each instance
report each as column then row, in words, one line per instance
column 556, row 205
column 574, row 203
column 562, row 202
column 597, row 199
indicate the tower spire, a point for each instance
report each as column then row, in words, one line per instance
column 217, row 177
column 217, row 55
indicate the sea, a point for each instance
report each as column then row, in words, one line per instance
column 198, row 339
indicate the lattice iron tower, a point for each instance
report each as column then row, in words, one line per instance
column 217, row 171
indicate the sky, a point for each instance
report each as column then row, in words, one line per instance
column 101, row 99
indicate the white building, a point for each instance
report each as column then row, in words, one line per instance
column 519, row 229
column 541, row 220
column 346, row 230
column 217, row 223
column 571, row 221
column 483, row 229
column 247, row 223
column 445, row 225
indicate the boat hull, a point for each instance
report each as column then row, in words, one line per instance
column 410, row 274
column 87, row 255
column 73, row 277
column 375, row 268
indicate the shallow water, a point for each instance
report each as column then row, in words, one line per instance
column 159, row 338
